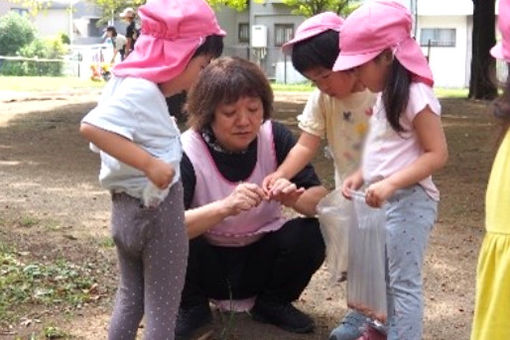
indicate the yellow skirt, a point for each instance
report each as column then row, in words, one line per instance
column 492, row 306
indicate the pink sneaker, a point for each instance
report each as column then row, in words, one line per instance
column 372, row 334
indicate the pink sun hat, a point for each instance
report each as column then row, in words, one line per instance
column 313, row 26
column 376, row 26
column 502, row 49
column 172, row 30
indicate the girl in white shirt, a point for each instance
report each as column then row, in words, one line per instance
column 404, row 146
column 140, row 153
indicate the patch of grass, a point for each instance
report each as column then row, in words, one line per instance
column 28, row 221
column 30, row 84
column 107, row 242
column 305, row 87
column 53, row 332
column 34, row 283
column 451, row 92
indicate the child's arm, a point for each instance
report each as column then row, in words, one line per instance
column 432, row 139
column 297, row 158
column 158, row 172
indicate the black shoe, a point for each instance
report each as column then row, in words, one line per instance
column 190, row 319
column 283, row 315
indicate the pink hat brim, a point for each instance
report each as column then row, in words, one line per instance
column 287, row 47
column 346, row 62
column 497, row 51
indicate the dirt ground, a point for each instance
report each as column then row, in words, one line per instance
column 49, row 176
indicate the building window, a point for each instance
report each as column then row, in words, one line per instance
column 244, row 33
column 283, row 33
column 20, row 11
column 438, row 37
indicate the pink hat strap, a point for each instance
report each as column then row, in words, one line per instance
column 410, row 55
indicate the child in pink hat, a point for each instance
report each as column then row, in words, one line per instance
column 140, row 149
column 404, row 146
column 338, row 110
column 492, row 312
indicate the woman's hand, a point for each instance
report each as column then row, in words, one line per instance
column 285, row 192
column 269, row 181
column 352, row 183
column 377, row 193
column 160, row 173
column 244, row 197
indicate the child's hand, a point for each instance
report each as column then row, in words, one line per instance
column 377, row 193
column 352, row 183
column 244, row 197
column 285, row 192
column 160, row 173
column 269, row 180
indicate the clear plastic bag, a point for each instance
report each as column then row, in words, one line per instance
column 335, row 212
column 366, row 284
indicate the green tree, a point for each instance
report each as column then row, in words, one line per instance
column 16, row 31
column 114, row 7
column 308, row 8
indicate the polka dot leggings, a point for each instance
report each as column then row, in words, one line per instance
column 152, row 249
column 410, row 216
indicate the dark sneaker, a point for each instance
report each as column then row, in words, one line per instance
column 191, row 319
column 283, row 315
column 351, row 327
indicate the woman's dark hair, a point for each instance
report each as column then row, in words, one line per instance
column 395, row 95
column 112, row 29
column 225, row 81
column 320, row 50
column 213, row 46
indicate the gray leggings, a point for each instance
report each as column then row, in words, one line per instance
column 410, row 216
column 152, row 249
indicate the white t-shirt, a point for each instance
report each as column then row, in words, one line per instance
column 387, row 151
column 136, row 109
column 343, row 122
column 120, row 42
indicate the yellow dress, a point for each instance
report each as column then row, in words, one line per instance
column 492, row 307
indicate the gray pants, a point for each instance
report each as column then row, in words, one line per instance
column 410, row 216
column 152, row 249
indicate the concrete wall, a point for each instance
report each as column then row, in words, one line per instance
column 448, row 64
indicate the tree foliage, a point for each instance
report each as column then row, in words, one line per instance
column 308, row 8
column 16, row 31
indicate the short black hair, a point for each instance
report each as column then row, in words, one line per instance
column 111, row 29
column 320, row 50
column 213, row 46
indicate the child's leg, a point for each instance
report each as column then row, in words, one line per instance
column 127, row 227
column 164, row 259
column 410, row 217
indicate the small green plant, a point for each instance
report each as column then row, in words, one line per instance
column 47, row 284
column 53, row 332
column 107, row 242
column 28, row 221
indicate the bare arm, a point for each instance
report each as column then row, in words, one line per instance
column 432, row 139
column 297, row 158
column 307, row 202
column 159, row 172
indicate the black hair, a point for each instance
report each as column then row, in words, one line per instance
column 395, row 95
column 213, row 46
column 320, row 50
column 112, row 29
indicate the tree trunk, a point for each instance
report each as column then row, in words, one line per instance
column 482, row 84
